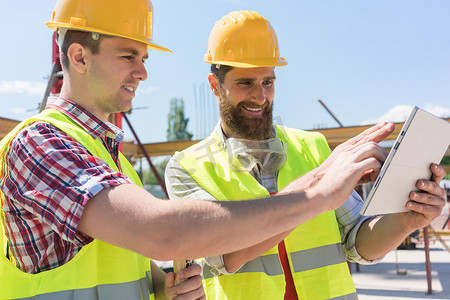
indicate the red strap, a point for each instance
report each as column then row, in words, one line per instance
column 290, row 293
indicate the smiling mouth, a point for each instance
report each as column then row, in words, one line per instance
column 252, row 109
column 130, row 88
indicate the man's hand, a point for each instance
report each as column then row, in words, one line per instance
column 427, row 204
column 377, row 236
column 355, row 161
column 374, row 134
column 190, row 288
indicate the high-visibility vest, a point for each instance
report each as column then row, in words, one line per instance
column 99, row 270
column 316, row 258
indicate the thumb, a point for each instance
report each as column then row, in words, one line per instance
column 170, row 280
column 169, row 285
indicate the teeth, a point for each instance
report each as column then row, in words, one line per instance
column 252, row 109
column 129, row 88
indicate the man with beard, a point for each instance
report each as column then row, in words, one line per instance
column 247, row 156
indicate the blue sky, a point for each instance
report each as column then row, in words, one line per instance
column 367, row 60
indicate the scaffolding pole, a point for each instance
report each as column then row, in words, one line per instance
column 144, row 152
column 329, row 111
column 427, row 259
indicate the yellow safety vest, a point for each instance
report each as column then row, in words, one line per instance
column 99, row 270
column 316, row 258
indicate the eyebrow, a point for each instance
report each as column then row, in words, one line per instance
column 131, row 51
column 253, row 79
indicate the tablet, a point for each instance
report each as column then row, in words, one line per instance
column 424, row 139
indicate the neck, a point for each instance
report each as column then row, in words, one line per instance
column 82, row 98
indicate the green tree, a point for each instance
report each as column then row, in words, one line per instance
column 177, row 129
column 160, row 166
column 446, row 162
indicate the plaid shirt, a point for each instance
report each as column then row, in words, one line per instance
column 50, row 179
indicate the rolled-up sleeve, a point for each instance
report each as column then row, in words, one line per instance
column 349, row 221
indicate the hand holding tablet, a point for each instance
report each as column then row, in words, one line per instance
column 424, row 139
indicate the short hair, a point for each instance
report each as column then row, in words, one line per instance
column 84, row 38
column 220, row 71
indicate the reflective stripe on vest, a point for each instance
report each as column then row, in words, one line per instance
column 314, row 248
column 129, row 290
column 352, row 296
column 301, row 261
column 317, row 258
column 99, row 270
column 268, row 264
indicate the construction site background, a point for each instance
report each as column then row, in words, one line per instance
column 402, row 274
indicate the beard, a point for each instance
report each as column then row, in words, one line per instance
column 249, row 128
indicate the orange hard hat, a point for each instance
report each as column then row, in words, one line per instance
column 131, row 19
column 244, row 39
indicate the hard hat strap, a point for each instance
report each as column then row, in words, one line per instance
column 95, row 36
column 62, row 32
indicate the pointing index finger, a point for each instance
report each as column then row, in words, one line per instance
column 375, row 134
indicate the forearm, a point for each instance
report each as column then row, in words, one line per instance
column 225, row 227
column 378, row 236
column 179, row 229
column 234, row 260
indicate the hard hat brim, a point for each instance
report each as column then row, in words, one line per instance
column 147, row 41
column 249, row 64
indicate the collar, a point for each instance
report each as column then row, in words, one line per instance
column 93, row 125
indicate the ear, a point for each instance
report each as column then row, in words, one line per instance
column 214, row 84
column 77, row 54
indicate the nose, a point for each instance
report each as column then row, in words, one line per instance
column 140, row 72
column 259, row 94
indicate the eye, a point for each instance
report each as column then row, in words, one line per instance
column 128, row 57
column 268, row 82
column 244, row 83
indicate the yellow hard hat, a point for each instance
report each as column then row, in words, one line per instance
column 131, row 19
column 243, row 39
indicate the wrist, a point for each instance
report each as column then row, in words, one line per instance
column 318, row 200
column 400, row 222
column 304, row 182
